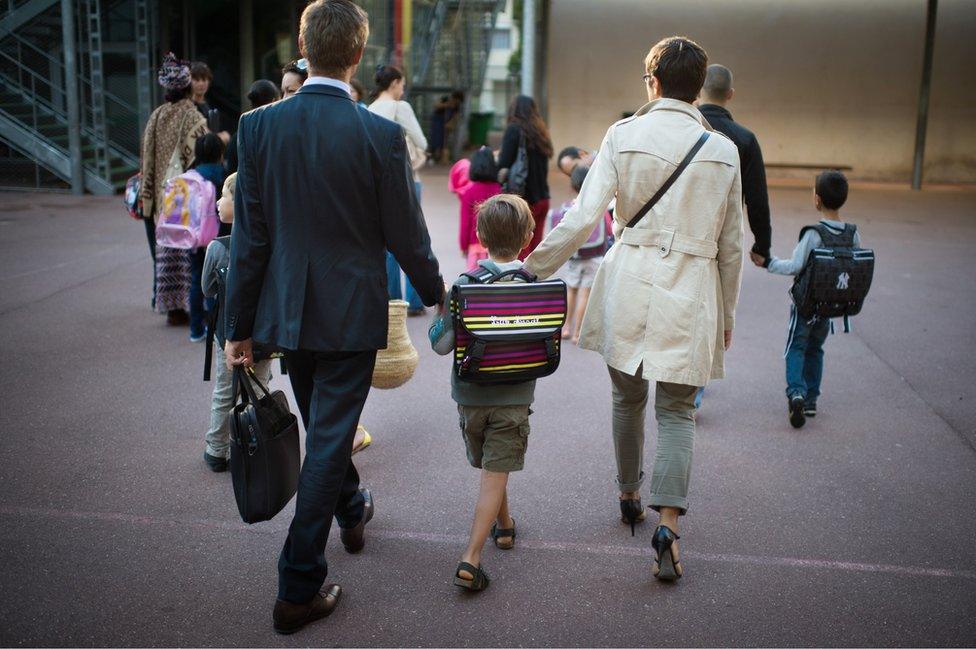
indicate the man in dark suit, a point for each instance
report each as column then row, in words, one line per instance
column 323, row 188
column 715, row 94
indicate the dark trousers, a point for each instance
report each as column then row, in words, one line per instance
column 198, row 308
column 331, row 390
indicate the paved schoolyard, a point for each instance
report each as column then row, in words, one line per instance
column 859, row 529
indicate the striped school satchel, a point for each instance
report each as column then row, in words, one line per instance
column 507, row 332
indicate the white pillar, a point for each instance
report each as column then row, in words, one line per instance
column 528, row 48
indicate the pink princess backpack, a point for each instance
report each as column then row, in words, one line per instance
column 187, row 214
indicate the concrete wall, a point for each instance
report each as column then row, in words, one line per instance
column 820, row 81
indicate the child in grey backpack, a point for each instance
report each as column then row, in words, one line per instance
column 494, row 419
column 804, row 346
column 217, row 451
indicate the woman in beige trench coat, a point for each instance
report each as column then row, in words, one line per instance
column 663, row 304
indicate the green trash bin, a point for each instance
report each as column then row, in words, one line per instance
column 478, row 126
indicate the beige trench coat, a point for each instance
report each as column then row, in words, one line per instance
column 668, row 287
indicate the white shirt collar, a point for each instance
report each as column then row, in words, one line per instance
column 329, row 81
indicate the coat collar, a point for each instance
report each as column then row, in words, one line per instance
column 322, row 89
column 677, row 106
column 715, row 109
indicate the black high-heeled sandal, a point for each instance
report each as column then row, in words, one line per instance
column 632, row 512
column 667, row 568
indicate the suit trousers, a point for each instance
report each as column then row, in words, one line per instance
column 674, row 407
column 331, row 390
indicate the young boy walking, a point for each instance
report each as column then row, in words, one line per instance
column 494, row 419
column 804, row 346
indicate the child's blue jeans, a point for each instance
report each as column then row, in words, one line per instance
column 804, row 356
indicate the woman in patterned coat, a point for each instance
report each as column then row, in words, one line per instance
column 167, row 151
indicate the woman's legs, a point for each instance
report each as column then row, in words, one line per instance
column 414, row 303
column 629, row 405
column 394, row 288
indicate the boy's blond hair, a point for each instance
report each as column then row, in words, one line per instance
column 504, row 222
column 230, row 185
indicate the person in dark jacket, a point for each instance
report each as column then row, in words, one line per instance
column 324, row 188
column 715, row 94
column 262, row 93
column 525, row 124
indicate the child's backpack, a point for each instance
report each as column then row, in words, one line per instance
column 836, row 278
column 130, row 197
column 596, row 246
column 507, row 332
column 187, row 213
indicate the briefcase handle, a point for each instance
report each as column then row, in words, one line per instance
column 243, row 387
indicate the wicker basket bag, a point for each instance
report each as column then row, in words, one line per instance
column 396, row 364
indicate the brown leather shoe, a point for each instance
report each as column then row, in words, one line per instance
column 353, row 538
column 289, row 617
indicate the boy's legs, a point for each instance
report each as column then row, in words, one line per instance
column 581, row 299
column 222, row 402
column 570, row 310
column 198, row 313
column 813, row 360
column 796, row 349
column 629, row 405
column 490, row 498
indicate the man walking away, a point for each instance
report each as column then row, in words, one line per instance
column 715, row 94
column 308, row 274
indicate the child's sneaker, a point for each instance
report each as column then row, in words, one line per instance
column 797, row 418
column 809, row 408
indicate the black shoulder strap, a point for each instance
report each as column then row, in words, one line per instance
column 479, row 276
column 670, row 181
column 830, row 239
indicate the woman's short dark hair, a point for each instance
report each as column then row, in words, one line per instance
column 385, row 76
column 294, row 69
column 483, row 168
column 200, row 70
column 679, row 64
column 208, row 149
column 358, row 87
column 831, row 187
column 177, row 94
column 262, row 93
column 524, row 113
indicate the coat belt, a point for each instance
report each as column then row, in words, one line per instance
column 667, row 240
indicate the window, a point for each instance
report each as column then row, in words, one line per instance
column 501, row 39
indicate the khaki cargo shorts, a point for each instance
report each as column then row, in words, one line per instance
column 495, row 437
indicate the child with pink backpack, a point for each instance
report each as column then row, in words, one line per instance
column 188, row 221
column 482, row 184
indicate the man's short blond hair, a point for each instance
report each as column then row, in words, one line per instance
column 504, row 221
column 333, row 32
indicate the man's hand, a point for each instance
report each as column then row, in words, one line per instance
column 239, row 352
column 728, row 338
column 757, row 259
column 446, row 303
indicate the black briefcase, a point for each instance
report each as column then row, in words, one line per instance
column 265, row 459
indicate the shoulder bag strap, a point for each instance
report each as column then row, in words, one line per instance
column 670, row 181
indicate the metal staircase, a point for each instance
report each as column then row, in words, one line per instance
column 33, row 104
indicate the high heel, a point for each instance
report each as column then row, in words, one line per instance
column 632, row 512
column 667, row 568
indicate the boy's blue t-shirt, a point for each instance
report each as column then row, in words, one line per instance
column 473, row 394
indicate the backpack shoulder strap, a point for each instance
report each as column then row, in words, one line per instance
column 670, row 181
column 479, row 276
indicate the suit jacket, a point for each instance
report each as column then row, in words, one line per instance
column 324, row 187
column 668, row 287
column 753, row 173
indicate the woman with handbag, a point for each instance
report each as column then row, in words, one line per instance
column 524, row 162
column 388, row 102
column 167, row 151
